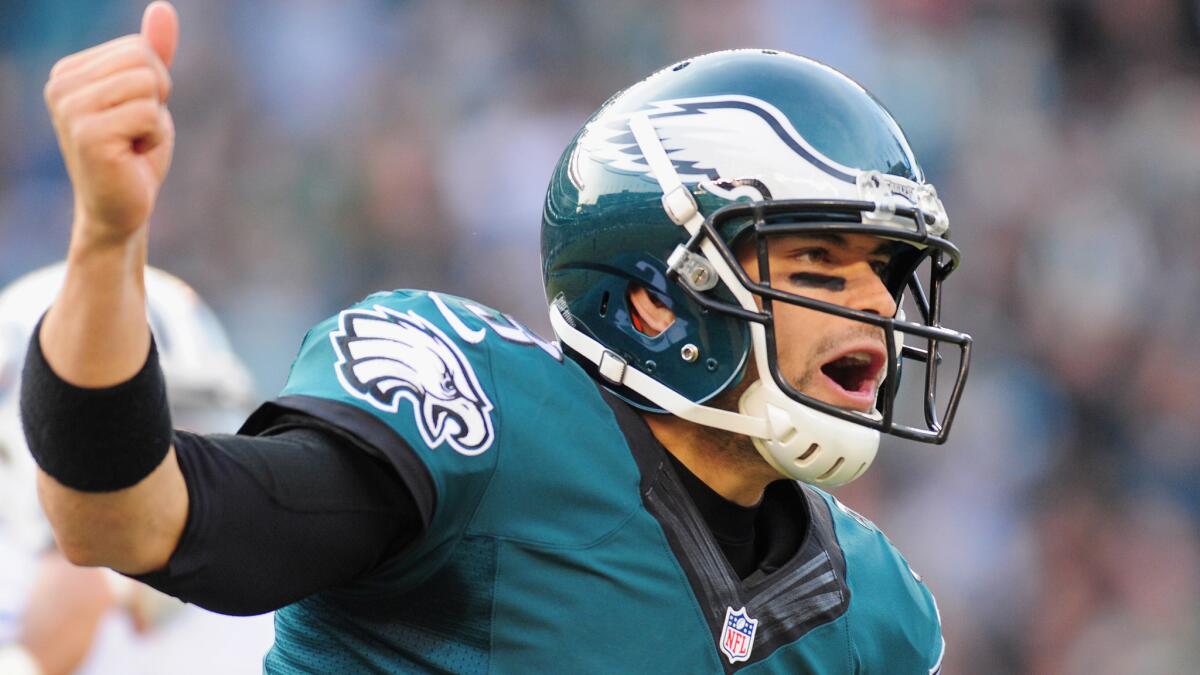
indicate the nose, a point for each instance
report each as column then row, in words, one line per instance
column 870, row 293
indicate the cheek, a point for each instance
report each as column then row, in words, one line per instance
column 797, row 331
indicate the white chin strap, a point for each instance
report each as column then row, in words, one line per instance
column 798, row 441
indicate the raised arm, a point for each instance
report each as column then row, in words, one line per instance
column 108, row 106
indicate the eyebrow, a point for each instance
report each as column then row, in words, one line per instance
column 888, row 247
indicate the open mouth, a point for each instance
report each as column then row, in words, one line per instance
column 853, row 376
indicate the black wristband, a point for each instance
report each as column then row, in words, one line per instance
column 95, row 440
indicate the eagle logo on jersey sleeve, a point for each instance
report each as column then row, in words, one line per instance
column 385, row 356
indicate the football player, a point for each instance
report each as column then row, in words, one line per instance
column 58, row 618
column 726, row 247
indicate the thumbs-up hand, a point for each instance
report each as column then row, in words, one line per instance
column 109, row 109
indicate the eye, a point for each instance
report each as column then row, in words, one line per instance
column 448, row 383
column 815, row 255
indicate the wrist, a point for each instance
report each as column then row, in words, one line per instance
column 92, row 235
column 95, row 332
column 93, row 251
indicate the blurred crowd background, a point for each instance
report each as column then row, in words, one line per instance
column 330, row 149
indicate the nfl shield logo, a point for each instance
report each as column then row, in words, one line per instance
column 737, row 638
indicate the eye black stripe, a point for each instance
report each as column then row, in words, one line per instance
column 822, row 281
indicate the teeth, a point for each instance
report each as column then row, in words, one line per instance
column 857, row 358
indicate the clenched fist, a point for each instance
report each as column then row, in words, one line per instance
column 109, row 108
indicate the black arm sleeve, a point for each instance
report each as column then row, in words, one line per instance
column 277, row 517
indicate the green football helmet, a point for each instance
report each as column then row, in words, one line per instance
column 738, row 146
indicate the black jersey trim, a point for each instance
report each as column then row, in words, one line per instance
column 810, row 590
column 365, row 430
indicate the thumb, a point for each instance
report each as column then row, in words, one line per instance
column 160, row 25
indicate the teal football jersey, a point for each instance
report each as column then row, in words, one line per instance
column 559, row 538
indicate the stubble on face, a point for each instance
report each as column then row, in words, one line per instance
column 738, row 449
column 827, row 347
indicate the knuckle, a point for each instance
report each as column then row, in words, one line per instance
column 114, row 59
column 142, row 82
column 145, row 114
column 81, row 129
column 67, row 106
column 146, row 52
column 56, row 89
column 61, row 65
column 154, row 77
column 136, row 46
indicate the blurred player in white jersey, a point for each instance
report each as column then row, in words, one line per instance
column 58, row 618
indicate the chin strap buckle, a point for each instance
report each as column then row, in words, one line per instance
column 612, row 367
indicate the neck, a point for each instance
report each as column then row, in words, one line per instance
column 726, row 462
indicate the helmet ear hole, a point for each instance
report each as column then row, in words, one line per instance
column 649, row 315
column 604, row 304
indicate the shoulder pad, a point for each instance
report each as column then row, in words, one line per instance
column 391, row 353
column 893, row 616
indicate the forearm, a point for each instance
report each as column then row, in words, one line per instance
column 96, row 334
column 134, row 530
column 97, row 422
